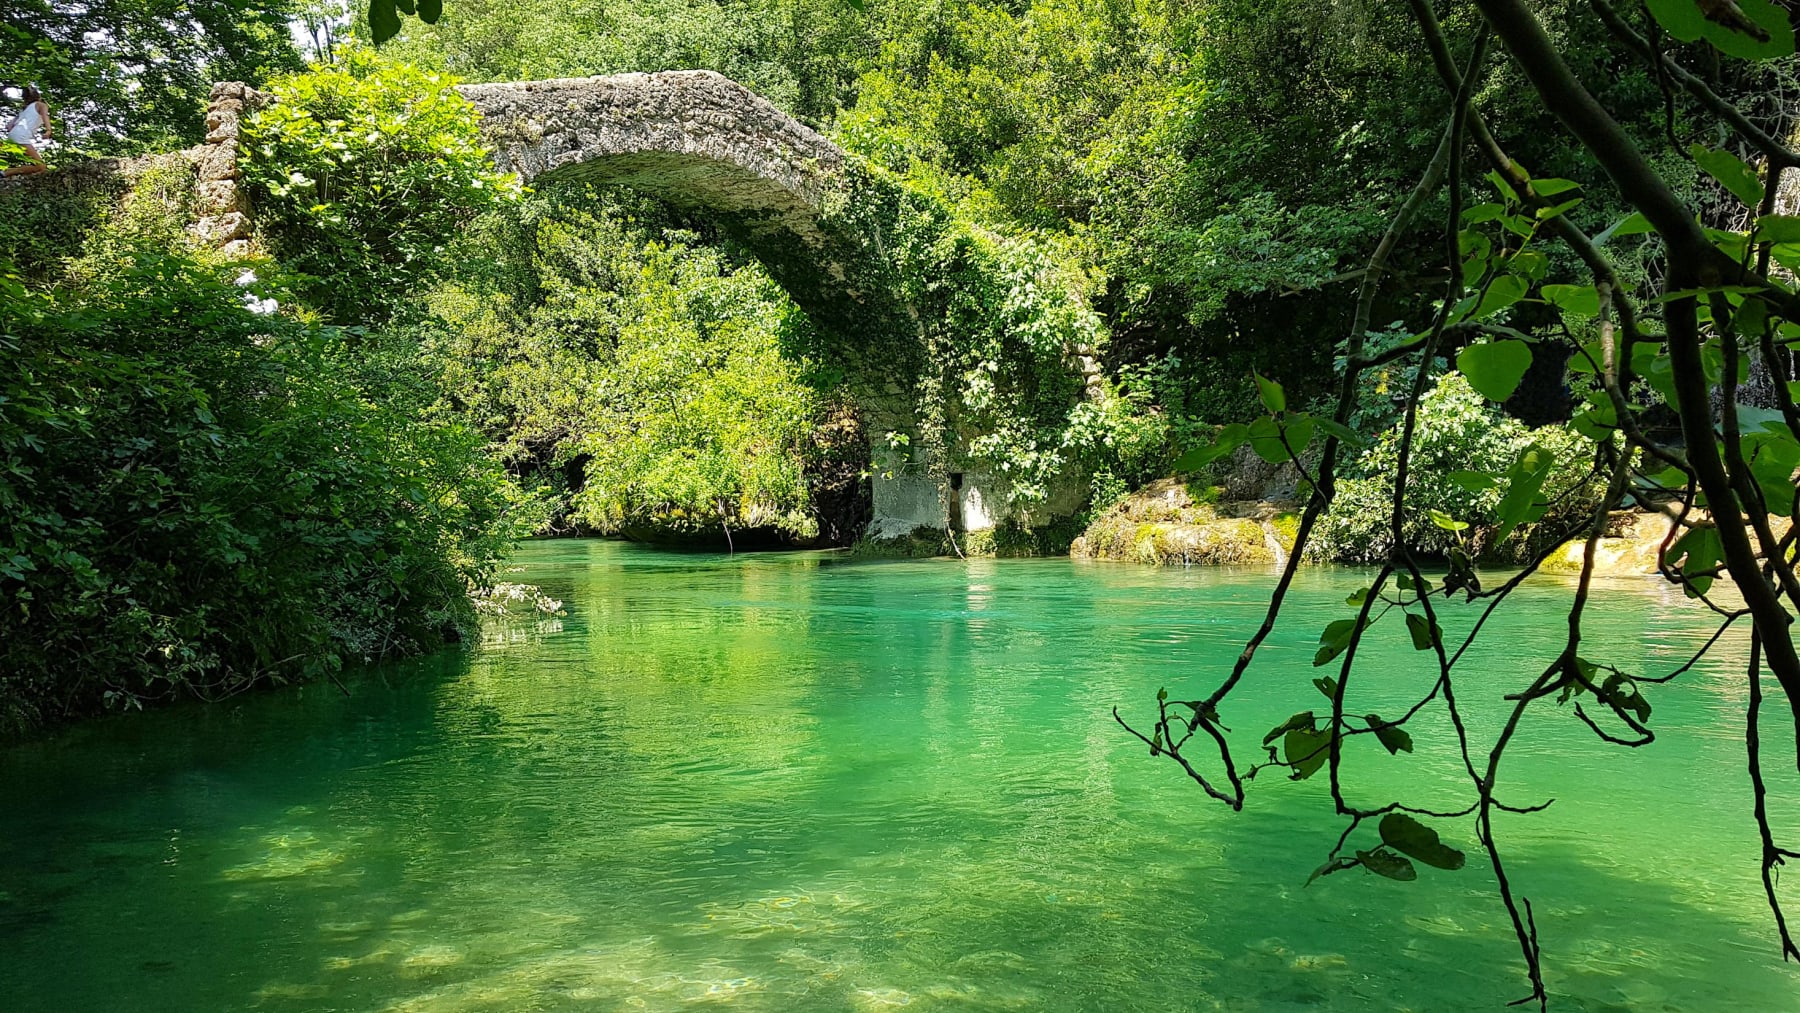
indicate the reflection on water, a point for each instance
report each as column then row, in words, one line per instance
column 791, row 782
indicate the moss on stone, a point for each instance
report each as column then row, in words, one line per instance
column 1167, row 524
column 1009, row 540
column 1630, row 545
column 919, row 543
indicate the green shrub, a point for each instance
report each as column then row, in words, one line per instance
column 363, row 172
column 1457, row 430
column 194, row 499
column 650, row 365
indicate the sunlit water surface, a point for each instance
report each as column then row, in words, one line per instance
column 795, row 782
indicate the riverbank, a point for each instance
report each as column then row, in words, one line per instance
column 787, row 781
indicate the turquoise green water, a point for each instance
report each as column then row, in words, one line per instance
column 791, row 782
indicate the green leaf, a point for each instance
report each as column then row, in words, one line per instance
column 1697, row 551
column 1595, row 424
column 1774, row 456
column 1494, row 368
column 1335, row 865
column 1576, row 300
column 1425, row 633
column 1307, row 750
column 1633, row 224
column 1462, row 575
column 1621, row 693
column 1506, row 290
column 1447, row 522
column 1408, row 836
column 1229, row 439
column 1272, row 396
column 1334, row 640
column 1751, row 318
column 1552, row 187
column 1730, row 171
column 1357, row 597
column 1545, row 214
column 1304, row 719
column 1680, row 18
column 1760, row 18
column 1502, row 185
column 1266, row 437
column 1483, row 213
column 1326, row 685
column 1393, row 737
column 1383, row 862
column 1346, row 435
column 384, row 20
column 1778, row 229
column 1529, row 264
column 1660, row 374
column 1474, row 481
column 1524, row 482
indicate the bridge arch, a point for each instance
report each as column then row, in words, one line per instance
column 879, row 270
column 699, row 140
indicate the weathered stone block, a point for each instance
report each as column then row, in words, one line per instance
column 221, row 127
column 220, row 229
column 220, row 196
column 216, row 161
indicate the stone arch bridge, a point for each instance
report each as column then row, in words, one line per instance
column 699, row 140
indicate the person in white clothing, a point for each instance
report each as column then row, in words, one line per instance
column 24, row 129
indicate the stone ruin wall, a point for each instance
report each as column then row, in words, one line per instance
column 222, row 204
column 222, row 215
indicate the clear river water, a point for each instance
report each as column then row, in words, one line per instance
column 798, row 782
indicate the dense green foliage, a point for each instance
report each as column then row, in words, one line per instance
column 363, row 170
column 197, row 497
column 644, row 376
column 1462, row 441
column 124, row 76
column 804, row 55
column 202, row 488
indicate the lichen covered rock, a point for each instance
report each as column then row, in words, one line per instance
column 1169, row 523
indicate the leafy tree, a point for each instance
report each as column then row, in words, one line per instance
column 196, row 498
column 802, row 55
column 364, row 170
column 1715, row 308
column 126, row 76
column 640, row 371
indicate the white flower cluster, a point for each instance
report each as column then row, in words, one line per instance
column 261, row 307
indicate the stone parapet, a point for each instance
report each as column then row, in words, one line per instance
column 223, row 214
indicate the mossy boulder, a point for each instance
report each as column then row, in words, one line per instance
column 1627, row 549
column 1170, row 523
column 1630, row 545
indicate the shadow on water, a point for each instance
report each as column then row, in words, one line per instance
column 763, row 785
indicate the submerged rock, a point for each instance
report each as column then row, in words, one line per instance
column 1171, row 523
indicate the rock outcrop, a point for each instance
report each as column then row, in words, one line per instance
column 1167, row 524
